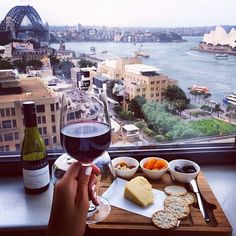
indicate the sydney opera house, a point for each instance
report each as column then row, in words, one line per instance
column 219, row 40
column 220, row 37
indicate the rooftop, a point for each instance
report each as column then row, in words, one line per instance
column 130, row 127
column 31, row 89
column 101, row 78
column 110, row 63
column 140, row 68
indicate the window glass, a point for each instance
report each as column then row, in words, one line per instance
column 54, row 129
column 13, row 112
column 39, row 119
column 17, row 147
column 40, row 130
column 16, row 136
column 14, row 124
column 57, row 106
column 2, row 112
column 46, row 142
column 8, row 137
column 169, row 74
column 53, row 118
column 54, row 139
column 8, row 112
column 44, row 130
column 6, row 124
column 43, row 119
column 52, row 107
column 40, row 108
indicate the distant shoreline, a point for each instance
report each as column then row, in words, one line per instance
column 83, row 41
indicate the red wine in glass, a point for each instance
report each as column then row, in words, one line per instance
column 85, row 140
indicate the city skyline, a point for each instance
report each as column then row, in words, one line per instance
column 130, row 13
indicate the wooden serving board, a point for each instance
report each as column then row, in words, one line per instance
column 121, row 222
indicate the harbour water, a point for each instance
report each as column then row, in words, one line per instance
column 176, row 60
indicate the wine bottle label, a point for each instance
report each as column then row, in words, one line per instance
column 34, row 165
column 34, row 179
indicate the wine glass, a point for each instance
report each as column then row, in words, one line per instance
column 86, row 134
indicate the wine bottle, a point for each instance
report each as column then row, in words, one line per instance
column 35, row 166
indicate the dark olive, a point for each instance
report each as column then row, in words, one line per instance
column 189, row 169
column 178, row 169
column 185, row 169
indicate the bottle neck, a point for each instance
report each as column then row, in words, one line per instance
column 30, row 120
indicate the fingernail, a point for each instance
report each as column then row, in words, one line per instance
column 88, row 170
column 93, row 188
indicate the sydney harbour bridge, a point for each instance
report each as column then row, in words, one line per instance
column 23, row 23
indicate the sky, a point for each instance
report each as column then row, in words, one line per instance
column 143, row 13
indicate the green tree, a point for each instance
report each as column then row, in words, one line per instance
column 65, row 67
column 5, row 65
column 135, row 106
column 117, row 109
column 36, row 64
column 54, row 60
column 86, row 63
column 231, row 111
column 19, row 65
column 218, row 109
column 176, row 99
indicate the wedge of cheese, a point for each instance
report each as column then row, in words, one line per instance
column 139, row 191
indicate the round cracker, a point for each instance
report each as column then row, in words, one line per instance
column 175, row 190
column 164, row 220
column 189, row 198
column 171, row 198
column 181, row 210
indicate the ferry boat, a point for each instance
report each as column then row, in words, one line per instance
column 200, row 89
column 230, row 99
column 220, row 56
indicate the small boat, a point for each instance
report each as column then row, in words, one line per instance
column 141, row 53
column 105, row 51
column 230, row 99
column 220, row 56
column 92, row 50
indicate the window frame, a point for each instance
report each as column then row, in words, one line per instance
column 223, row 153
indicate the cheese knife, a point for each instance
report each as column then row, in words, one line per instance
column 202, row 207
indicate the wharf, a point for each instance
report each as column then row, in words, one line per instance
column 94, row 58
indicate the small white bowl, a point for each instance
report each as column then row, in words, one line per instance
column 128, row 173
column 183, row 177
column 153, row 174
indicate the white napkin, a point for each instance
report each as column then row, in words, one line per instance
column 115, row 195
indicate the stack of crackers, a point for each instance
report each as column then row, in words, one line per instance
column 176, row 207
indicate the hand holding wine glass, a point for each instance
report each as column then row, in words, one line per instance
column 70, row 201
column 86, row 134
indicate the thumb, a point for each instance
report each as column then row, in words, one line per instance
column 82, row 189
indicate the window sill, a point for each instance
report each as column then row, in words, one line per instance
column 21, row 212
